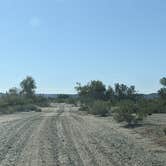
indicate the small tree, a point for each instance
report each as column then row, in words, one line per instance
column 163, row 81
column 94, row 90
column 164, row 130
column 122, row 92
column 28, row 86
column 162, row 91
column 14, row 91
column 110, row 94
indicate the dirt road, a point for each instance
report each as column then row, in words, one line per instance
column 61, row 137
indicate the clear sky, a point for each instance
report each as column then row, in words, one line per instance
column 61, row 42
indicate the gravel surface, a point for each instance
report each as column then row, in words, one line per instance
column 59, row 136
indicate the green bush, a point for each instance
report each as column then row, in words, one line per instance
column 100, row 108
column 41, row 101
column 164, row 130
column 67, row 100
column 128, row 112
column 152, row 106
column 27, row 108
column 22, row 100
column 84, row 108
column 124, row 114
column 7, row 110
column 19, row 108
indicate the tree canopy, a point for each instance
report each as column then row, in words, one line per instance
column 162, row 91
column 96, row 90
column 28, row 86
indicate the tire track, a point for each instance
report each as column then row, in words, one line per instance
column 49, row 144
column 116, row 147
column 56, row 145
column 11, row 150
column 85, row 154
column 87, row 145
column 96, row 143
column 68, row 149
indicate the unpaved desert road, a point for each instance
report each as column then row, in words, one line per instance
column 59, row 136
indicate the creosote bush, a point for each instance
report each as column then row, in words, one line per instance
column 84, row 107
column 19, row 108
column 164, row 130
column 129, row 112
column 100, row 108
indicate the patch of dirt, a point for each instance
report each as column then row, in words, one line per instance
column 153, row 128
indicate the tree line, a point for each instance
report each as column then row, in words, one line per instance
column 122, row 101
column 96, row 90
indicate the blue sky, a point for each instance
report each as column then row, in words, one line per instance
column 61, row 42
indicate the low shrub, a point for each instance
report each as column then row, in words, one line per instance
column 164, row 130
column 19, row 108
column 125, row 115
column 128, row 112
column 28, row 108
column 69, row 100
column 84, row 108
column 41, row 101
column 100, row 108
column 152, row 106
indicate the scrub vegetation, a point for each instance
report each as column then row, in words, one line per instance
column 22, row 99
column 102, row 125
column 122, row 101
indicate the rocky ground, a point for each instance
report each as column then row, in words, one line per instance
column 60, row 136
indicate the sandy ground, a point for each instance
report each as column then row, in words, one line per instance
column 59, row 136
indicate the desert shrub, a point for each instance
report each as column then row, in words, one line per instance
column 11, row 100
column 41, row 101
column 100, row 108
column 161, row 106
column 152, row 106
column 129, row 112
column 164, row 130
column 27, row 108
column 84, row 108
column 71, row 100
column 22, row 100
column 19, row 108
column 6, row 110
column 125, row 114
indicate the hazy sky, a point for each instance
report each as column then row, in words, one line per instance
column 61, row 42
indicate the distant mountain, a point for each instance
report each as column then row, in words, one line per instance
column 147, row 96
column 151, row 96
column 56, row 95
column 48, row 95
